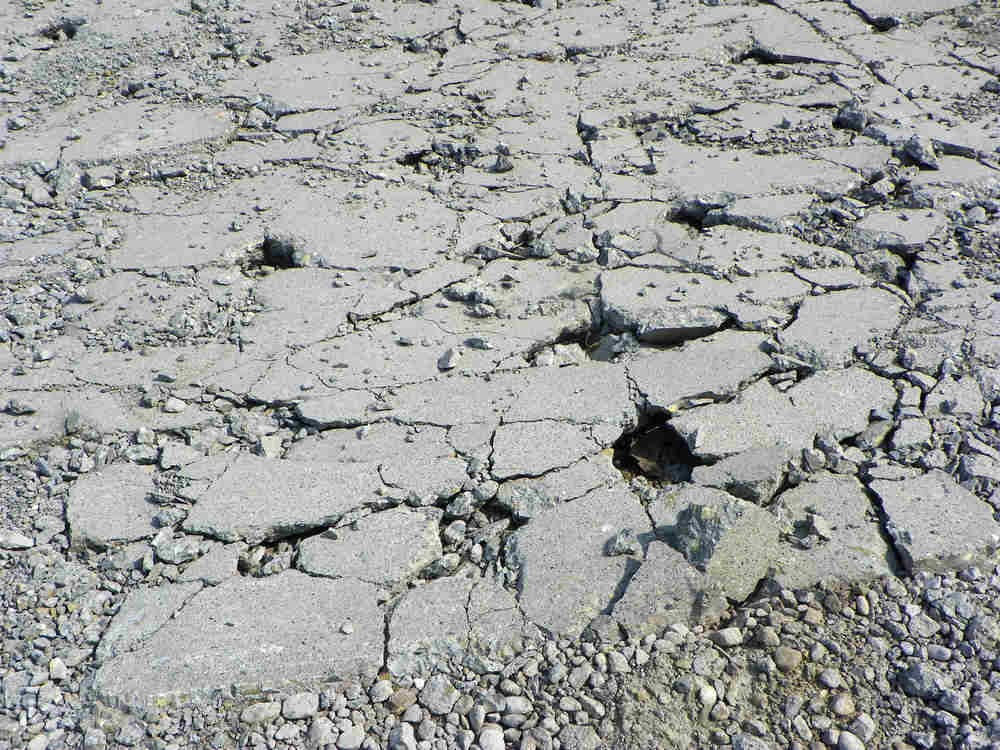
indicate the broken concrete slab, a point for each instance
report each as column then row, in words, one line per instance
column 829, row 327
column 666, row 590
column 143, row 613
column 713, row 367
column 463, row 619
column 248, row 633
column 565, row 577
column 239, row 503
column 111, row 505
column 535, row 448
column 831, row 532
column 387, row 548
column 754, row 475
column 913, row 511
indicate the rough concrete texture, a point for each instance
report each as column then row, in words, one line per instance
column 418, row 340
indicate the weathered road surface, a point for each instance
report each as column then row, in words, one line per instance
column 367, row 353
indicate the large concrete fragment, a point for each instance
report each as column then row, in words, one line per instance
column 667, row 589
column 937, row 525
column 144, row 612
column 761, row 415
column 566, row 577
column 461, row 619
column 535, row 448
column 753, row 475
column 387, row 548
column 256, row 499
column 250, row 633
column 712, row 367
column 829, row 327
column 831, row 533
column 734, row 543
column 112, row 505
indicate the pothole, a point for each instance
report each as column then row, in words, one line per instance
column 655, row 451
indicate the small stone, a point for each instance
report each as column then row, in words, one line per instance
column 727, row 637
column 380, row 691
column 830, row 678
column 842, row 704
column 921, row 152
column 491, row 737
column 787, row 658
column 351, row 738
column 261, row 712
column 15, row 540
column 848, row 741
column 438, row 695
column 58, row 669
column 449, row 360
column 347, row 628
column 174, row 405
column 300, row 706
column 402, row 737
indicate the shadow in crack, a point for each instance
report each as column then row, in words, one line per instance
column 656, row 451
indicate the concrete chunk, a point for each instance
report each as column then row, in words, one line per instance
column 914, row 510
column 250, row 633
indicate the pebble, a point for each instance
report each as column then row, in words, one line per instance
column 787, row 659
column 300, row 706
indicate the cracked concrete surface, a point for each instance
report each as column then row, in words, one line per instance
column 412, row 325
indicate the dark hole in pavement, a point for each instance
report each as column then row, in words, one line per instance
column 655, row 451
column 66, row 27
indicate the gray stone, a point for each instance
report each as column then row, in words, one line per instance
column 387, row 548
column 914, row 509
column 921, row 681
column 579, row 737
column 247, row 632
column 438, row 695
column 15, row 540
column 300, row 706
column 215, row 566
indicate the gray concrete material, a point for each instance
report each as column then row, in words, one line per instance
column 462, row 619
column 754, row 475
column 855, row 549
column 526, row 498
column 913, row 510
column 665, row 590
column 387, row 549
column 711, row 367
column 830, row 326
column 215, row 566
column 535, row 448
column 565, row 577
column 111, row 505
column 246, row 633
column 245, row 502
column 121, row 132
column 143, row 613
column 713, row 538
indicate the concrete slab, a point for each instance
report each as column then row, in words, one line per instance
column 832, row 532
column 111, row 505
column 249, row 633
column 914, row 509
column 711, row 367
column 238, row 504
column 463, row 620
column 829, row 327
column 565, row 577
column 387, row 549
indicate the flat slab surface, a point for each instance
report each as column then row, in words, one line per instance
column 249, row 632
